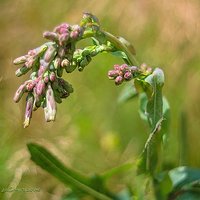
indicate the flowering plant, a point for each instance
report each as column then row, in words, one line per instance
column 46, row 88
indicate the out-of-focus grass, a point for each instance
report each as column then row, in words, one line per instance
column 92, row 132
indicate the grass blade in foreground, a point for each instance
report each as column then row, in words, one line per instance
column 51, row 164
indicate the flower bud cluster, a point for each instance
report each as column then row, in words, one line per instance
column 44, row 87
column 122, row 73
column 64, row 34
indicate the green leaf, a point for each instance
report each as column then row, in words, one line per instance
column 189, row 196
column 180, row 183
column 162, row 185
column 155, row 102
column 183, row 175
column 51, row 164
column 143, row 105
column 166, row 120
column 127, row 44
column 151, row 108
column 120, row 54
column 129, row 92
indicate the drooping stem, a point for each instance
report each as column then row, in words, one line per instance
column 118, row 42
column 123, row 45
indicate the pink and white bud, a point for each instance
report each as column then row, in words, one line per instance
column 57, row 63
column 123, row 67
column 20, row 60
column 50, row 109
column 63, row 38
column 49, row 54
column 30, row 61
column 46, row 78
column 113, row 74
column 30, row 85
column 133, row 69
column 63, row 28
column 116, row 67
column 19, row 93
column 119, row 80
column 50, row 36
column 43, row 67
column 74, row 35
column 128, row 75
column 40, row 87
column 32, row 52
column 29, row 109
column 52, row 76
column 65, row 63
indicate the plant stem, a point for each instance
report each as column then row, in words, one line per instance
column 121, row 46
column 127, row 48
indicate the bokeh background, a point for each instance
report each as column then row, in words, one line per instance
column 93, row 132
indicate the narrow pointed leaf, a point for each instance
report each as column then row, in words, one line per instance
column 51, row 164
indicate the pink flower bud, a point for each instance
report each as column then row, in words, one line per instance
column 52, row 76
column 41, row 70
column 40, row 87
column 50, row 36
column 32, row 52
column 113, row 74
column 49, row 54
column 46, row 79
column 63, row 39
column 116, row 67
column 29, row 63
column 74, row 35
column 57, row 63
column 29, row 109
column 119, row 80
column 65, row 63
column 20, row 60
column 133, row 69
column 19, row 93
column 50, row 109
column 30, row 85
column 123, row 67
column 128, row 76
column 63, row 28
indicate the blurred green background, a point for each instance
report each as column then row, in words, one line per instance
column 93, row 132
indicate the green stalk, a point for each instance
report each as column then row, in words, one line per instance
column 122, row 46
column 119, row 43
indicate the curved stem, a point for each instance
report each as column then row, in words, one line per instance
column 117, row 43
column 121, row 46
